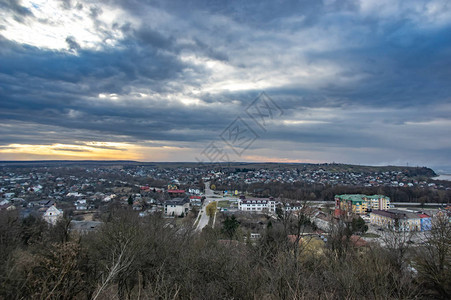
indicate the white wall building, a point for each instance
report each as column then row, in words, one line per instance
column 194, row 191
column 176, row 207
column 52, row 215
column 257, row 205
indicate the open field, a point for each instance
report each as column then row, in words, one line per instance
column 223, row 204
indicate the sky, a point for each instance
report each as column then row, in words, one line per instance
column 362, row 82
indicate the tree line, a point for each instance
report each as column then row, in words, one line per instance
column 157, row 258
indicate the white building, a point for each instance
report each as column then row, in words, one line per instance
column 195, row 201
column 81, row 204
column 194, row 191
column 52, row 215
column 257, row 205
column 292, row 206
column 176, row 207
column 74, row 194
column 109, row 198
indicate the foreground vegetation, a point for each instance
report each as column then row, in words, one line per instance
column 149, row 258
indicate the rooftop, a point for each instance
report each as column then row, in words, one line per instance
column 359, row 197
column 177, row 201
column 396, row 214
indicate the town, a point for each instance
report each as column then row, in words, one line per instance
column 85, row 194
column 107, row 220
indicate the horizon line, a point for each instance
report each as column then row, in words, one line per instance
column 212, row 163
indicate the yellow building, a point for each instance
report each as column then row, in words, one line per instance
column 396, row 220
column 360, row 204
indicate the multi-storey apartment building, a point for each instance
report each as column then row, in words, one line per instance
column 360, row 204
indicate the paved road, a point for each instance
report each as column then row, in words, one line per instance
column 209, row 197
column 204, row 218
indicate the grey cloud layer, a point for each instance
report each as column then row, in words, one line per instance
column 372, row 72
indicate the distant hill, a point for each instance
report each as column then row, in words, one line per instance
column 330, row 167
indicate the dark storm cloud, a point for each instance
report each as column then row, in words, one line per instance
column 93, row 68
column 154, row 39
column 255, row 13
column 63, row 90
column 372, row 71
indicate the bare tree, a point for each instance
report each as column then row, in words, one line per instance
column 300, row 223
column 120, row 245
column 433, row 259
column 398, row 242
